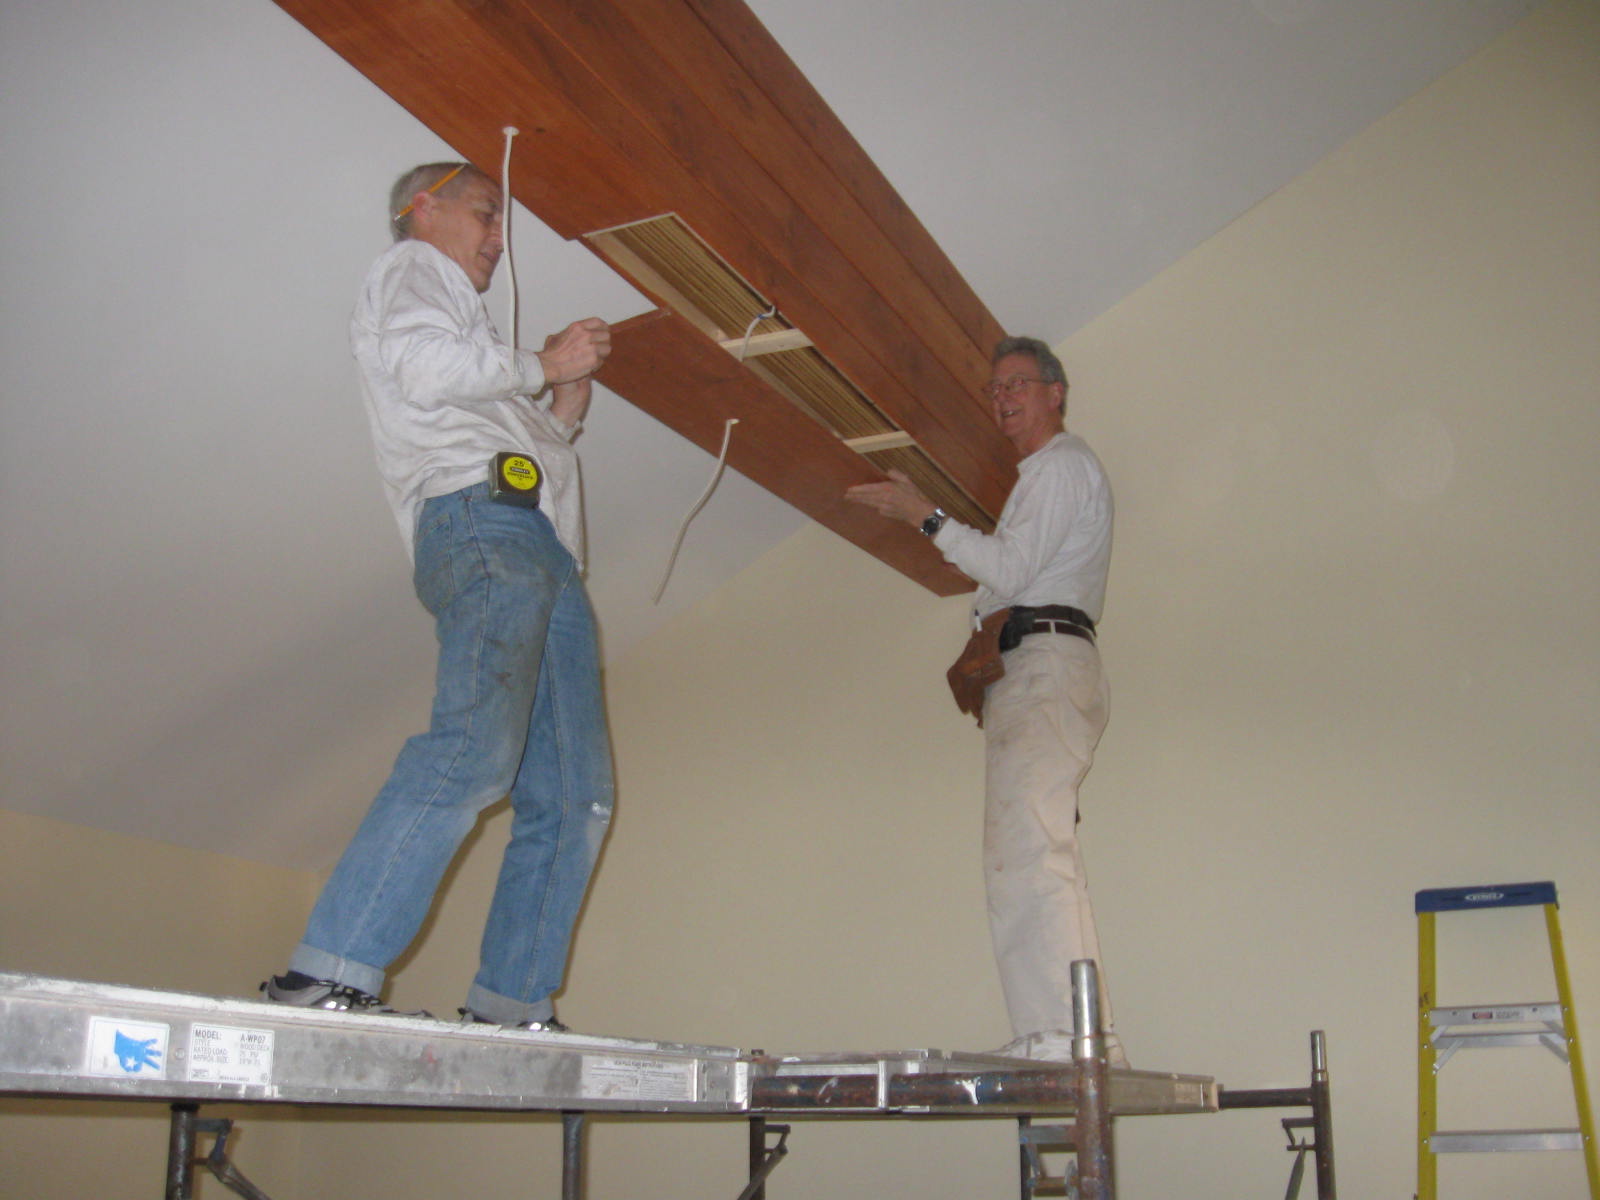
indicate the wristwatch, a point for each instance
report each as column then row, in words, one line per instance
column 934, row 521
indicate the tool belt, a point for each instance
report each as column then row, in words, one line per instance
column 979, row 664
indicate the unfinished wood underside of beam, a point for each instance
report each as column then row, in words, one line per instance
column 664, row 255
column 630, row 110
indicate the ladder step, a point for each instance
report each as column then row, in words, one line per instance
column 1472, row 1141
column 1482, row 1039
column 1496, row 1014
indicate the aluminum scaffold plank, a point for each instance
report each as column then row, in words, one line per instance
column 68, row 1039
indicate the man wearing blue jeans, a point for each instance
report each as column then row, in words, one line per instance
column 517, row 709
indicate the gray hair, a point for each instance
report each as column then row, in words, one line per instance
column 1050, row 368
column 425, row 179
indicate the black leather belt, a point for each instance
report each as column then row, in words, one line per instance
column 1045, row 618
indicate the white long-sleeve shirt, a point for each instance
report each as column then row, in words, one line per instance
column 1053, row 541
column 444, row 394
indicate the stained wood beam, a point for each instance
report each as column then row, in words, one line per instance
column 630, row 109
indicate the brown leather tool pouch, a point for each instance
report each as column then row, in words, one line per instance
column 978, row 666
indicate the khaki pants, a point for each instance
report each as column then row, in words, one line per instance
column 1041, row 723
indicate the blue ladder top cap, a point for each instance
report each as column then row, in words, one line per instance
column 1488, row 895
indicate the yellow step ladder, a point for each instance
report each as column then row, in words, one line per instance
column 1442, row 1031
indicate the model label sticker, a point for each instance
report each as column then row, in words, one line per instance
column 224, row 1054
column 637, row 1079
column 120, row 1049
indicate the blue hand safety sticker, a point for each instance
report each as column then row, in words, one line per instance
column 122, row 1048
column 134, row 1056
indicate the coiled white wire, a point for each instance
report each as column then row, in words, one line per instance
column 505, row 233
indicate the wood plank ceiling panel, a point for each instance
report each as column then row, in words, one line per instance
column 631, row 111
column 767, row 65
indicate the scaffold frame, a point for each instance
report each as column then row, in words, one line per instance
column 67, row 1039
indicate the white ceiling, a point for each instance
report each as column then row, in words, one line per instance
column 208, row 634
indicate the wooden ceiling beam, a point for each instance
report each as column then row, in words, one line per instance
column 629, row 111
column 766, row 65
column 653, row 67
column 467, row 82
column 724, row 127
column 736, row 117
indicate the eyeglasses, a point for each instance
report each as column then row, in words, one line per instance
column 1010, row 387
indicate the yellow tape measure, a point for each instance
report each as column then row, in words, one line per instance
column 515, row 479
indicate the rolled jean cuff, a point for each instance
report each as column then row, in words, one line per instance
column 319, row 964
column 503, row 1010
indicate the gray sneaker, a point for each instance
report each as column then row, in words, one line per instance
column 325, row 994
column 548, row 1025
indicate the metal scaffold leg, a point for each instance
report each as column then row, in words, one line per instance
column 1091, row 1174
column 572, row 1129
column 1096, row 1177
column 182, row 1158
column 1318, row 1098
column 763, row 1158
column 180, row 1152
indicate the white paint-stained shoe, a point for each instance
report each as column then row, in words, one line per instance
column 1055, row 1045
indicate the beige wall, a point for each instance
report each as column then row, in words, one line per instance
column 1353, row 650
column 80, row 903
column 1354, row 645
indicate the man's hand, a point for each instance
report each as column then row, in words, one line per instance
column 898, row 499
column 576, row 352
column 569, row 402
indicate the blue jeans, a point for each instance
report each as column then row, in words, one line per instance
column 517, row 710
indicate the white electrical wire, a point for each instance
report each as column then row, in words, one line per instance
column 722, row 460
column 505, row 233
column 744, row 347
